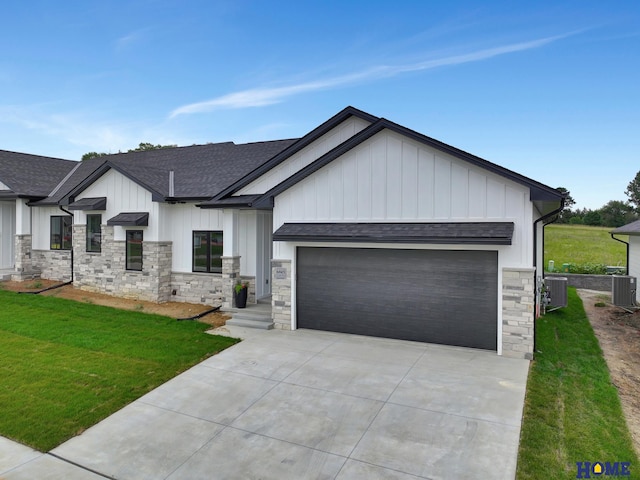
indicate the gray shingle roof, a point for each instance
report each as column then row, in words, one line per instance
column 200, row 171
column 32, row 176
column 96, row 203
column 130, row 219
column 632, row 228
column 471, row 233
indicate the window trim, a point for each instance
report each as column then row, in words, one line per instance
column 99, row 233
column 132, row 232
column 60, row 218
column 193, row 246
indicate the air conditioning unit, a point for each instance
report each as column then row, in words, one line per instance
column 556, row 291
column 623, row 291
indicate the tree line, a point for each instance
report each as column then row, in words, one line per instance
column 143, row 146
column 614, row 213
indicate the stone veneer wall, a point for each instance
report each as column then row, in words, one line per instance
column 518, row 297
column 52, row 264
column 281, row 294
column 23, row 262
column 196, row 288
column 105, row 272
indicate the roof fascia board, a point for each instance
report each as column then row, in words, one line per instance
column 291, row 150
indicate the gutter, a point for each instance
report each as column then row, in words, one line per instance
column 627, row 244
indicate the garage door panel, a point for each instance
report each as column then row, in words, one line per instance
column 436, row 296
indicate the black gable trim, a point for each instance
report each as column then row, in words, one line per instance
column 98, row 203
column 266, row 200
column 309, row 138
column 465, row 233
column 135, row 219
column 104, row 168
column 538, row 191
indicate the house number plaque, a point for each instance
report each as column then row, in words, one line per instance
column 280, row 273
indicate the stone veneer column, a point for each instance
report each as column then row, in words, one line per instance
column 23, row 262
column 281, row 294
column 518, row 296
column 156, row 264
column 230, row 276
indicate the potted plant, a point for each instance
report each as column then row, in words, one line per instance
column 241, row 290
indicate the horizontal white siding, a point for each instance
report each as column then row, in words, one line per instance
column 178, row 223
column 123, row 195
column 304, row 157
column 3, row 186
column 390, row 178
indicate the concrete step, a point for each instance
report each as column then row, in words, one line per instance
column 253, row 316
column 244, row 322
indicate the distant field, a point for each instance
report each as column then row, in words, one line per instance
column 581, row 245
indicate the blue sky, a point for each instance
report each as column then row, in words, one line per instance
column 550, row 89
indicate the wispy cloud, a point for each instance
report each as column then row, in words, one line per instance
column 131, row 38
column 258, row 97
column 72, row 128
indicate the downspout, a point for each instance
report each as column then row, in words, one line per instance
column 535, row 236
column 535, row 260
column 71, row 214
column 627, row 244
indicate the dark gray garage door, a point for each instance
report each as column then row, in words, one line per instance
column 435, row 296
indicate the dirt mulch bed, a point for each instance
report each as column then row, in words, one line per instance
column 618, row 332
column 169, row 309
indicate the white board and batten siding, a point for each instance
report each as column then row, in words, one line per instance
column 178, row 222
column 41, row 225
column 391, row 178
column 7, row 233
column 307, row 155
column 123, row 195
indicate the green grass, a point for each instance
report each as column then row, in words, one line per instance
column 67, row 365
column 582, row 245
column 572, row 410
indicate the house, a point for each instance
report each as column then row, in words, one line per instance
column 23, row 179
column 633, row 246
column 361, row 226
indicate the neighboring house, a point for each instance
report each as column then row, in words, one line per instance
column 633, row 246
column 360, row 226
column 23, row 179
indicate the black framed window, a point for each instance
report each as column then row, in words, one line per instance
column 134, row 250
column 61, row 232
column 94, row 233
column 207, row 251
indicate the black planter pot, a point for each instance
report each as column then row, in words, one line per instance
column 241, row 298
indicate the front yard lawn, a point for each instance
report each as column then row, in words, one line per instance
column 572, row 411
column 66, row 365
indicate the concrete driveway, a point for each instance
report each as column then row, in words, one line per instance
column 309, row 405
